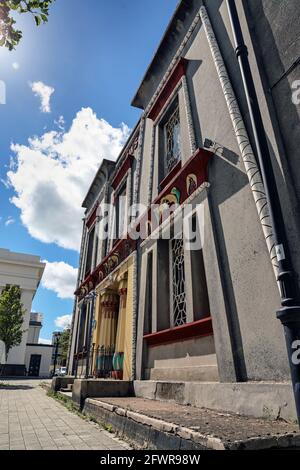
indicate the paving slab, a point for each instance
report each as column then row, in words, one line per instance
column 31, row 420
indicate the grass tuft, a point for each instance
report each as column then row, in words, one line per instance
column 69, row 404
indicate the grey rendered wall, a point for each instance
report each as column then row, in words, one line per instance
column 242, row 290
column 275, row 29
column 248, row 283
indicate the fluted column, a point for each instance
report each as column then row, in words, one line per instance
column 118, row 359
column 109, row 302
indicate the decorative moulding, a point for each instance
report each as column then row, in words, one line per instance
column 121, row 172
column 178, row 72
column 92, row 217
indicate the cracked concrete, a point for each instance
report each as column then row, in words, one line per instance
column 150, row 421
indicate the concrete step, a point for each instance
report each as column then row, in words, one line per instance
column 66, row 393
column 152, row 424
column 67, row 389
column 269, row 400
column 83, row 388
column 202, row 373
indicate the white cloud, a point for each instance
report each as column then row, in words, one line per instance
column 15, row 65
column 6, row 184
column 10, row 220
column 63, row 322
column 52, row 174
column 60, row 123
column 43, row 92
column 45, row 341
column 61, row 278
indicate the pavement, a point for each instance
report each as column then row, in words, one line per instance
column 30, row 420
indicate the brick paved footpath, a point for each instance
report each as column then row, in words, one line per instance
column 31, row 420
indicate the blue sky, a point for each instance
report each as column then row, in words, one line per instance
column 93, row 54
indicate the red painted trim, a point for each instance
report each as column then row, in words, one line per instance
column 178, row 72
column 170, row 176
column 196, row 164
column 91, row 219
column 180, row 333
column 121, row 172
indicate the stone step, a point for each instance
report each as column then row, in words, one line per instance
column 66, row 393
column 152, row 424
column 269, row 400
column 67, row 389
column 201, row 373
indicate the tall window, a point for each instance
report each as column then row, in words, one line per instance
column 89, row 256
column 121, row 212
column 148, row 305
column 82, row 326
column 172, row 138
column 178, row 282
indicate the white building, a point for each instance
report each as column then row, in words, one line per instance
column 26, row 272
column 38, row 356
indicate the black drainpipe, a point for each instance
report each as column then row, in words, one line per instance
column 289, row 313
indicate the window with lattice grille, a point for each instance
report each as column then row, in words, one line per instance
column 172, row 139
column 178, row 297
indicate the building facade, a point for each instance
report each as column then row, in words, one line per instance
column 102, row 328
column 38, row 355
column 26, row 272
column 150, row 308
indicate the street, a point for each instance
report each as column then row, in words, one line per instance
column 30, row 420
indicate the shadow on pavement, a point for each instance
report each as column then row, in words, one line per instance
column 4, row 386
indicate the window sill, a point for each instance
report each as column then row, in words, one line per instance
column 194, row 329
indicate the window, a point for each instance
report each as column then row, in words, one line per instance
column 82, row 325
column 89, row 256
column 121, row 212
column 172, row 138
column 148, row 304
column 178, row 297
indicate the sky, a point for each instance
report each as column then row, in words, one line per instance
column 69, row 85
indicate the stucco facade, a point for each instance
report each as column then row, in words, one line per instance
column 38, row 356
column 227, row 330
column 102, row 328
column 26, row 272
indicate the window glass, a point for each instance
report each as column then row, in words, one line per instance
column 121, row 213
column 172, row 140
column 89, row 256
column 178, row 282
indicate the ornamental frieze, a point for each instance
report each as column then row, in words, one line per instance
column 121, row 251
column 184, row 183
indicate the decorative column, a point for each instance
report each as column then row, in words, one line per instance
column 108, row 329
column 118, row 359
column 139, row 160
column 152, row 158
column 189, row 115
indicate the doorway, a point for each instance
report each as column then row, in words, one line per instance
column 34, row 365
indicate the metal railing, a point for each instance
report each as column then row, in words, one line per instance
column 99, row 363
